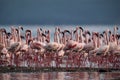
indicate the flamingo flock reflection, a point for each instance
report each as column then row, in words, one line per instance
column 77, row 47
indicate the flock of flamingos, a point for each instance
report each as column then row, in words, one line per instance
column 71, row 48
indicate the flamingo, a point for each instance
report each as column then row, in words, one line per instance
column 70, row 46
column 14, row 46
column 105, row 48
column 35, row 46
column 73, row 42
column 39, row 34
column 3, row 50
column 80, row 45
column 113, row 43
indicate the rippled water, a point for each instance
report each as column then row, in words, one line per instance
column 61, row 76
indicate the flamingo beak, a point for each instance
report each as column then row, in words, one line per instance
column 41, row 29
column 118, row 36
column 4, row 30
column 103, row 32
column 59, row 29
column 29, row 41
column 47, row 40
column 109, row 32
column 67, row 31
column 101, row 35
column 84, row 35
column 22, row 28
column 28, row 31
column 22, row 37
column 97, row 34
column 17, row 30
column 81, row 28
column 74, row 31
column 43, row 35
column 117, row 28
column 88, row 33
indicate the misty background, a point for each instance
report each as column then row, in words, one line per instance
column 59, row 12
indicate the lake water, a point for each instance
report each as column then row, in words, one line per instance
column 61, row 76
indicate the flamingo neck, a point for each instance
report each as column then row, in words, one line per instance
column 72, row 35
column 60, row 41
column 77, row 36
column 107, row 38
column 94, row 41
column 81, row 36
column 38, row 34
column 49, row 36
column 86, row 38
column 19, row 37
column 56, row 36
column 64, row 37
column 115, row 33
column 98, row 41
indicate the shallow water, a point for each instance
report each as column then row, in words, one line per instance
column 61, row 76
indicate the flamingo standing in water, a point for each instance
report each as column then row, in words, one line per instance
column 3, row 51
column 70, row 46
column 103, row 49
column 14, row 46
column 55, row 46
column 75, row 42
column 33, row 49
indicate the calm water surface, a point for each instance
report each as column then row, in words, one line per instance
column 61, row 76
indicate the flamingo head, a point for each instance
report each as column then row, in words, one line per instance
column 59, row 30
column 103, row 32
column 47, row 32
column 95, row 33
column 40, row 29
column 48, row 41
column 28, row 31
column 101, row 35
column 8, row 35
column 3, row 30
column 89, row 40
column 81, row 29
column 22, row 37
column 43, row 35
column 62, row 33
column 20, row 27
column 67, row 31
column 118, row 36
column 115, row 28
column 30, row 40
column 88, row 32
column 16, row 30
column 74, row 31
column 109, row 32
column 84, row 35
